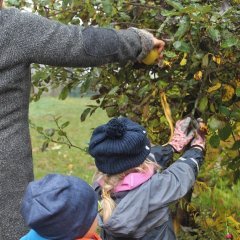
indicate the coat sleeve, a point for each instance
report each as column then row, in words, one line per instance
column 49, row 42
column 175, row 181
column 161, row 154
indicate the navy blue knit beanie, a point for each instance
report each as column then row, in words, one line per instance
column 59, row 207
column 119, row 145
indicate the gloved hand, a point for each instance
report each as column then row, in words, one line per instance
column 182, row 136
column 199, row 139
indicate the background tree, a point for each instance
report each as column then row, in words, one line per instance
column 200, row 76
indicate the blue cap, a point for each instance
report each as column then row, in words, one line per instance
column 59, row 207
column 119, row 145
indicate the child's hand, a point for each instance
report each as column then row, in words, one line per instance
column 182, row 136
column 199, row 139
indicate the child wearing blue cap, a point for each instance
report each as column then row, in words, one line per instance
column 134, row 195
column 60, row 207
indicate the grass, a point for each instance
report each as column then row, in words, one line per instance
column 59, row 158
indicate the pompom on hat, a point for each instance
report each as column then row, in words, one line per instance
column 119, row 145
column 59, row 207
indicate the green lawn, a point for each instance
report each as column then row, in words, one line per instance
column 59, row 158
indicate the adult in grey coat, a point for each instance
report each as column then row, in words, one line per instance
column 28, row 38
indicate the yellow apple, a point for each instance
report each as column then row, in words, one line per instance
column 151, row 57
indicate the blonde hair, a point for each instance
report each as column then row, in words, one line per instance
column 111, row 181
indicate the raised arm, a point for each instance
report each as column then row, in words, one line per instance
column 161, row 154
column 175, row 181
column 49, row 42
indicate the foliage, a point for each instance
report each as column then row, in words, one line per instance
column 200, row 73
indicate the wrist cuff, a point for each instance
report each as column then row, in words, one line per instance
column 195, row 146
column 146, row 42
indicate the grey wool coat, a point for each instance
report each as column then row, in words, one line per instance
column 27, row 38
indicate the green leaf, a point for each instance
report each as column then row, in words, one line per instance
column 234, row 164
column 170, row 54
column 162, row 84
column 44, row 146
column 64, row 125
column 167, row 13
column 124, row 16
column 205, row 61
column 144, row 90
column 236, row 145
column 181, row 46
column 40, row 75
column 215, row 123
column 225, row 132
column 184, row 26
column 196, row 10
column 64, row 93
column 61, row 133
column 65, row 3
column 56, row 119
column 123, row 100
column 111, row 111
column 174, row 91
column 85, row 85
column 238, row 92
column 113, row 90
column 107, row 6
column 154, row 123
column 14, row 2
column 84, row 114
column 235, row 115
column 212, row 108
column 175, row 4
column 214, row 141
column 95, row 97
column 40, row 129
column 230, row 42
column 203, row 103
column 214, row 34
column 93, row 111
column 224, row 110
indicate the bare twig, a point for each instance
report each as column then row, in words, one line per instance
column 68, row 143
column 162, row 26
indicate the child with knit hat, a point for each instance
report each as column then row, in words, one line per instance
column 60, row 207
column 134, row 195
